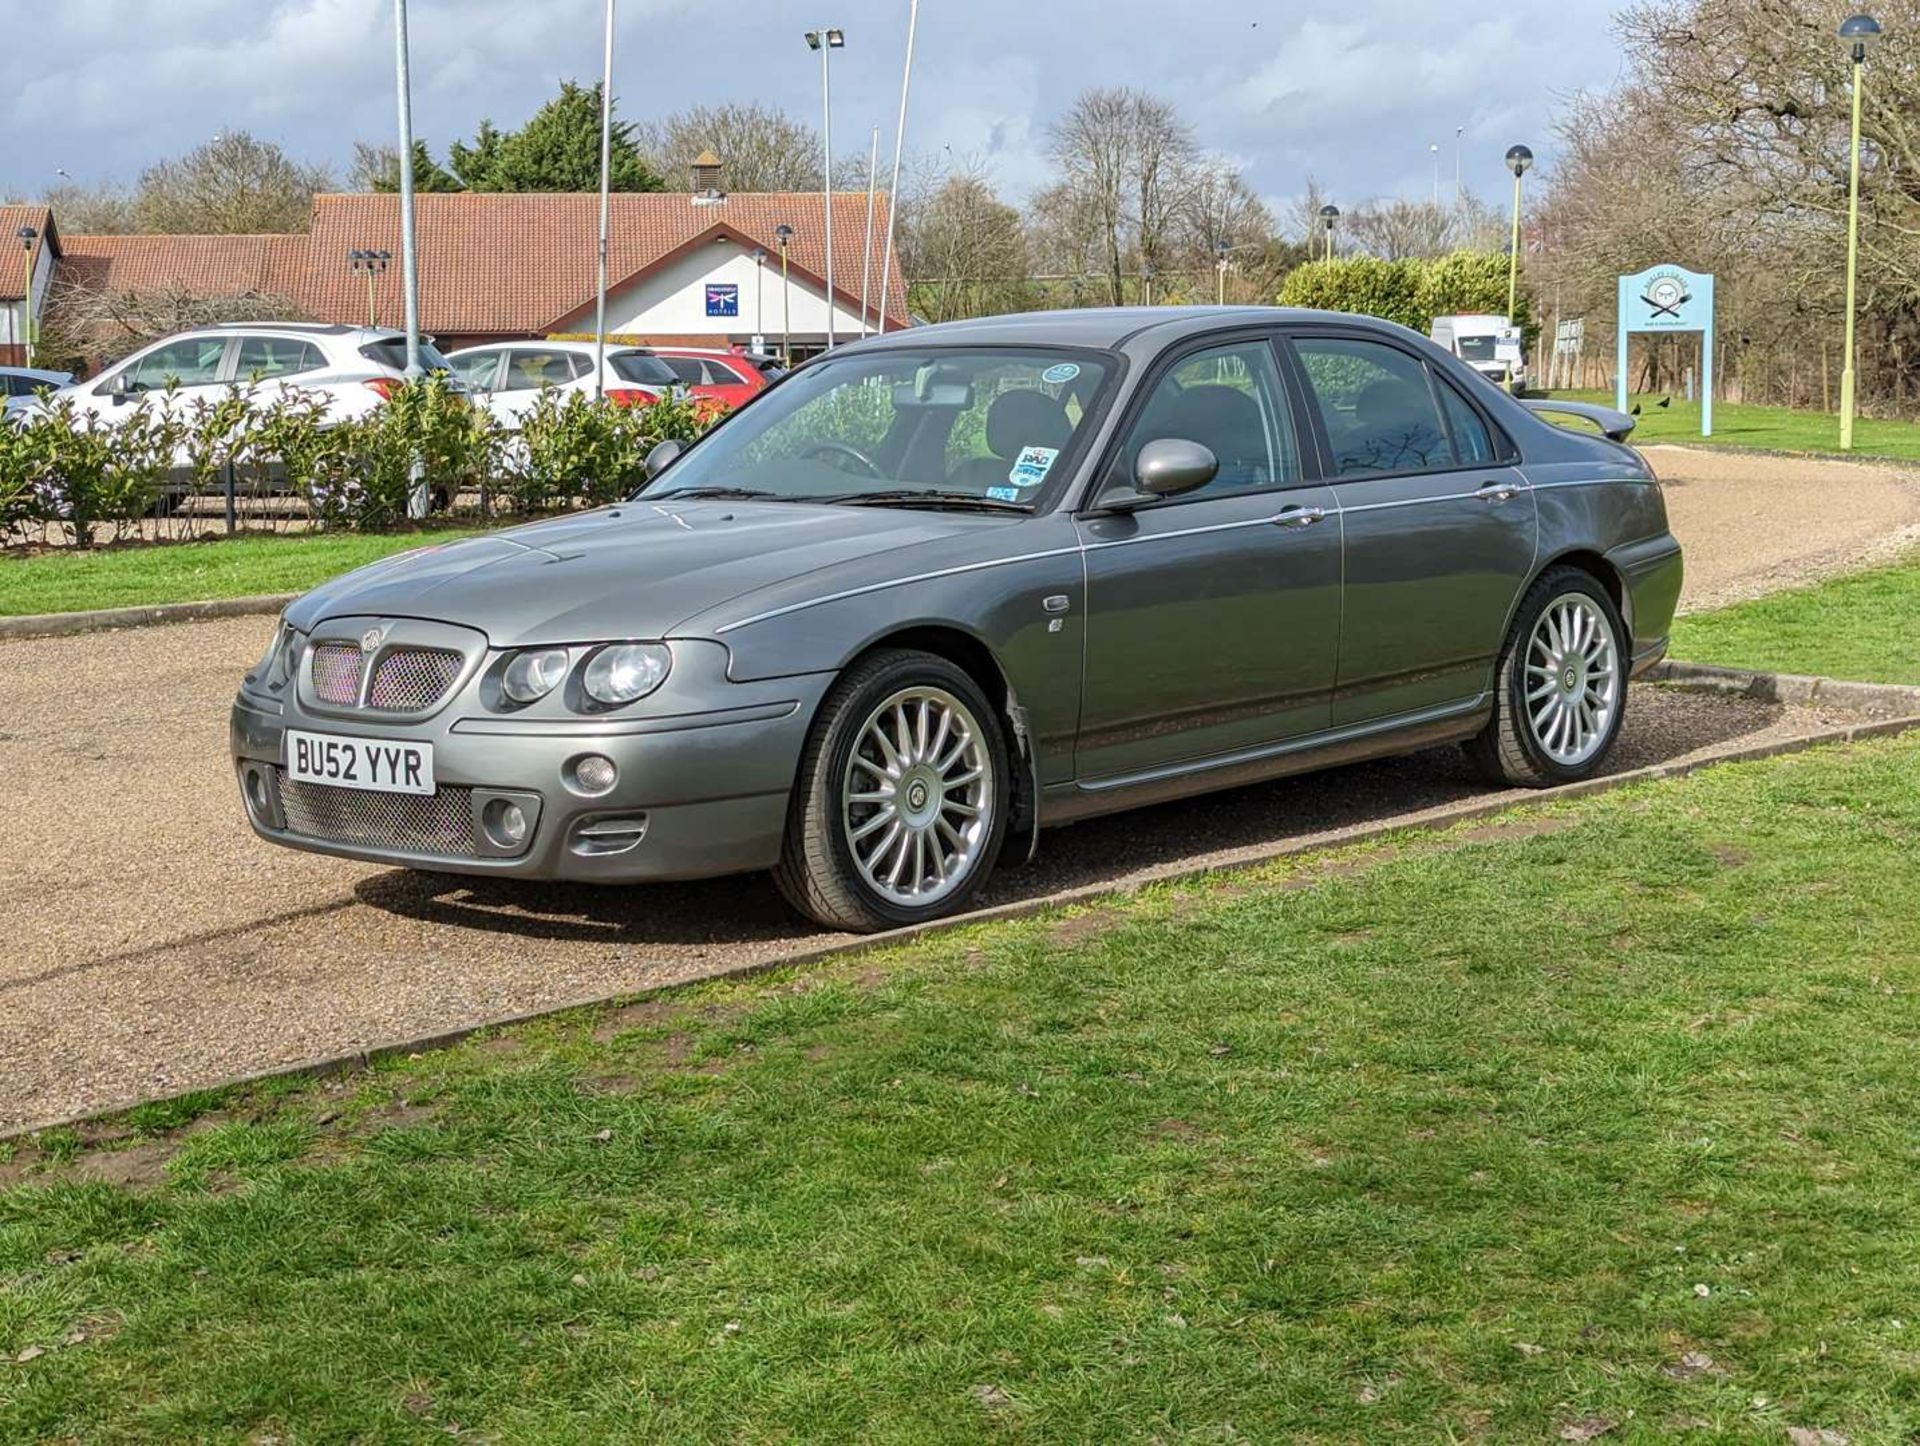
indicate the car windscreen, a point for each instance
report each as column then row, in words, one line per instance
column 1475, row 348
column 640, row 369
column 983, row 423
column 392, row 352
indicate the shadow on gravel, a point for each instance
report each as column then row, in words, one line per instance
column 1662, row 724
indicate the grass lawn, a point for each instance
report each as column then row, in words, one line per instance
column 1865, row 626
column 1606, row 1122
column 1775, row 428
column 75, row 581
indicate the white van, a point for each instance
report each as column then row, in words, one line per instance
column 1488, row 344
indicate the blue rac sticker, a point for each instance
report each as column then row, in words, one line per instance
column 1061, row 374
column 1004, row 494
column 1031, row 469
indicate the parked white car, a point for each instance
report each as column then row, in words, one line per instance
column 350, row 369
column 510, row 375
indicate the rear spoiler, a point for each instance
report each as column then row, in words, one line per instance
column 1616, row 425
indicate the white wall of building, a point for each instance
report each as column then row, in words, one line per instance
column 673, row 300
column 13, row 321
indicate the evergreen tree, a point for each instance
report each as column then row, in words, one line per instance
column 557, row 150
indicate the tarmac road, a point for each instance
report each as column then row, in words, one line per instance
column 152, row 944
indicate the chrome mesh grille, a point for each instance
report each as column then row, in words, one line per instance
column 336, row 674
column 439, row 823
column 409, row 679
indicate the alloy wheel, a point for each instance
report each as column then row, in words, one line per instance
column 917, row 798
column 1573, row 679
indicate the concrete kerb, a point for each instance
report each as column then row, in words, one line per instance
column 1772, row 687
column 100, row 620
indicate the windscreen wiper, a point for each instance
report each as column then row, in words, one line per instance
column 719, row 494
column 926, row 497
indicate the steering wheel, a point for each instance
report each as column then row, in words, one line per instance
column 844, row 449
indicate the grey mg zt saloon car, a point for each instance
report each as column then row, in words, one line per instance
column 943, row 588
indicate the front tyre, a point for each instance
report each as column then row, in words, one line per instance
column 901, row 802
column 1562, row 689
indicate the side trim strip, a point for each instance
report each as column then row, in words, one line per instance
column 1291, row 745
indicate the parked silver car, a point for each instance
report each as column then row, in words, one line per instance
column 970, row 580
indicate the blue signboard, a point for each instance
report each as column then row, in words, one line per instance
column 723, row 300
column 1668, row 298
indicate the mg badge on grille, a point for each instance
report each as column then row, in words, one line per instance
column 371, row 639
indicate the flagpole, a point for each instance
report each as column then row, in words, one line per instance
column 899, row 143
column 866, row 256
column 606, row 188
column 418, row 497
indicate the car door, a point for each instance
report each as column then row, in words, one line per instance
column 271, row 367
column 1213, row 618
column 172, row 376
column 527, row 372
column 1439, row 525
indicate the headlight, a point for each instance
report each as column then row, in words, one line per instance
column 531, row 675
column 292, row 649
column 625, row 671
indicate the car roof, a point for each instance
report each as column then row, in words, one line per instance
column 1113, row 328
column 37, row 373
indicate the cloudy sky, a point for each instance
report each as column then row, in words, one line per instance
column 1353, row 93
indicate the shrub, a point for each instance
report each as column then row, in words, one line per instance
column 574, row 449
column 1363, row 284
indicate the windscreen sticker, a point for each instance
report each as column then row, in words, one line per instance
column 1004, row 494
column 1032, row 467
column 1061, row 374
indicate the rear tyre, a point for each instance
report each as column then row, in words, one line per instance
column 901, row 802
column 1561, row 693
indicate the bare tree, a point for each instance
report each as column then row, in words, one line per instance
column 103, row 210
column 1396, row 229
column 966, row 250
column 102, row 326
column 762, row 149
column 1126, row 161
column 234, row 184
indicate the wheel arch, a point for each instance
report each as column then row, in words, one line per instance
column 977, row 659
column 1595, row 565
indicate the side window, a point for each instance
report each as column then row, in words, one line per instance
column 264, row 357
column 1471, row 440
column 1377, row 404
column 193, row 361
column 528, row 371
column 722, row 375
column 477, row 369
column 686, row 370
column 1229, row 400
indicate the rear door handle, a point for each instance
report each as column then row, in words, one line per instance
column 1299, row 516
column 1498, row 492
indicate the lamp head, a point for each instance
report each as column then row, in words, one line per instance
column 785, row 234
column 1519, row 160
column 831, row 39
column 1860, row 32
column 1328, row 215
column 27, row 236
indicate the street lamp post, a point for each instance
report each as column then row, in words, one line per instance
column 1329, row 218
column 899, row 143
column 785, row 234
column 1458, row 194
column 759, row 292
column 826, row 42
column 606, row 203
column 27, row 237
column 1146, row 282
column 1221, row 252
column 1434, row 151
column 419, row 500
column 1859, row 31
column 1519, row 159
column 373, row 263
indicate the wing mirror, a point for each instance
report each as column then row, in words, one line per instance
column 662, row 456
column 1167, row 468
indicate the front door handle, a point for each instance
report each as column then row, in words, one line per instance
column 1498, row 492
column 1299, row 516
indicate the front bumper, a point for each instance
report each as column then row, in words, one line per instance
column 699, row 793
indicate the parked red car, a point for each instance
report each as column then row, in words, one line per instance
column 724, row 377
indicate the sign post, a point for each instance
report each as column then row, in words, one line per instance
column 1664, row 299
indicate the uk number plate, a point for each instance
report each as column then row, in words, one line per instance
column 380, row 765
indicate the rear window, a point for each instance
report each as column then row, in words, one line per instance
column 392, row 352
column 641, row 369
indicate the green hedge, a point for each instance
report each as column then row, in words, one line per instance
column 64, row 474
column 1411, row 292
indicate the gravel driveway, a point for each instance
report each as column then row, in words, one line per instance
column 152, row 945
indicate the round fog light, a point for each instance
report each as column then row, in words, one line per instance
column 506, row 823
column 594, row 774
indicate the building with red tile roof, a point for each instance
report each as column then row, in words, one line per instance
column 701, row 269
